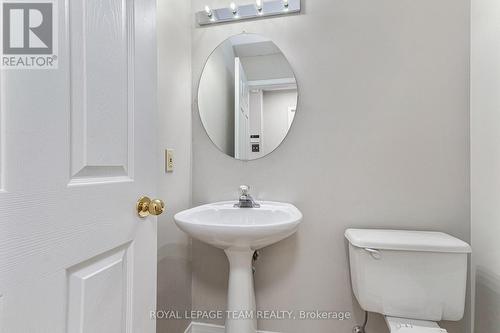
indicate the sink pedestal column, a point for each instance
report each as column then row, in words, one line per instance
column 241, row 311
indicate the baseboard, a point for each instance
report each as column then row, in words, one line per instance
column 204, row 328
column 209, row 328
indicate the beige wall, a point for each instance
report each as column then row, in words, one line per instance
column 485, row 163
column 174, row 104
column 380, row 139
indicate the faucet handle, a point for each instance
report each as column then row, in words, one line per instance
column 244, row 189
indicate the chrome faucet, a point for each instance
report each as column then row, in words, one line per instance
column 246, row 200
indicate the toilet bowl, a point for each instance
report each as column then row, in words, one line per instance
column 403, row 325
column 413, row 278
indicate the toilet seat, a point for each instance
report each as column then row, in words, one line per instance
column 403, row 325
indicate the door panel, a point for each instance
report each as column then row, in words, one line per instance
column 98, row 293
column 102, row 90
column 78, row 150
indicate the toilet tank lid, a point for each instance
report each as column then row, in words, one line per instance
column 404, row 240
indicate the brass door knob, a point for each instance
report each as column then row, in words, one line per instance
column 147, row 206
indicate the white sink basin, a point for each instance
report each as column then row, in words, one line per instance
column 239, row 232
column 225, row 226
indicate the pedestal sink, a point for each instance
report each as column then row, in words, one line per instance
column 239, row 232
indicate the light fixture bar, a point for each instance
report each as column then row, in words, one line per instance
column 248, row 11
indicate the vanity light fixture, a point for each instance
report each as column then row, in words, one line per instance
column 258, row 4
column 253, row 10
column 234, row 8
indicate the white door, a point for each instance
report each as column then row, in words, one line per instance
column 241, row 112
column 77, row 151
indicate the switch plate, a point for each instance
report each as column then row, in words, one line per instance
column 169, row 160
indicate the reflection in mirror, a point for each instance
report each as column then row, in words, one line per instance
column 247, row 96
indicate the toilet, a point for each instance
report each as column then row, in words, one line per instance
column 413, row 278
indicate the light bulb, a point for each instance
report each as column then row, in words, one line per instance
column 208, row 11
column 233, row 7
column 258, row 4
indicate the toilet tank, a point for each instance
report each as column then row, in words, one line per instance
column 409, row 274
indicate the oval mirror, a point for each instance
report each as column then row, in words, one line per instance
column 247, row 96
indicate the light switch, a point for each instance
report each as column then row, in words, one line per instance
column 169, row 160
